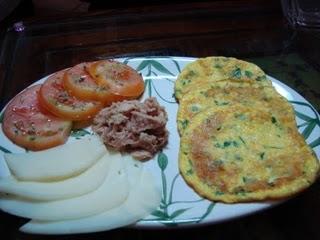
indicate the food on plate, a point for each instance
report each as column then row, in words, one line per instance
column 115, row 191
column 213, row 69
column 118, row 78
column 110, row 194
column 28, row 125
column 239, row 139
column 143, row 198
column 56, row 99
column 73, row 186
column 226, row 93
column 241, row 153
column 76, row 125
column 132, row 126
column 56, row 163
column 79, row 83
column 41, row 116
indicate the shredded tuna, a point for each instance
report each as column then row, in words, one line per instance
column 133, row 126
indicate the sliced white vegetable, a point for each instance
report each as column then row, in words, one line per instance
column 143, row 199
column 86, row 182
column 112, row 193
column 56, row 163
column 134, row 169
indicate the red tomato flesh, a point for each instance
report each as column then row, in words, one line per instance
column 78, row 82
column 56, row 99
column 28, row 125
column 119, row 78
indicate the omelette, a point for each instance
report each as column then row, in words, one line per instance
column 241, row 154
column 226, row 93
column 213, row 69
column 239, row 139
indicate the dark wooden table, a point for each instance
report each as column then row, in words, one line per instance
column 253, row 30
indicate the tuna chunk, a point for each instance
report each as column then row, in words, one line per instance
column 132, row 126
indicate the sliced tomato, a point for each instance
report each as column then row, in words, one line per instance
column 59, row 102
column 79, row 83
column 121, row 79
column 28, row 125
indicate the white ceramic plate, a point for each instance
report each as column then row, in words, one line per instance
column 180, row 205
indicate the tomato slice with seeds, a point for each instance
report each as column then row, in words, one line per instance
column 59, row 102
column 28, row 125
column 118, row 77
column 79, row 83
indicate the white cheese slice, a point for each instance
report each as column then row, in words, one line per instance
column 144, row 198
column 86, row 182
column 113, row 191
column 133, row 167
column 56, row 163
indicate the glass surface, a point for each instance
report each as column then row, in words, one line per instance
column 302, row 13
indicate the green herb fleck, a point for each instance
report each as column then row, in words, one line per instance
column 249, row 179
column 272, row 147
column 194, row 108
column 236, row 73
column 273, row 120
column 261, row 78
column 204, row 93
column 185, row 81
column 219, row 193
column 217, row 162
column 240, row 116
column 184, row 123
column 226, row 143
column 248, row 74
column 235, row 143
column 189, row 172
column 220, row 103
column 191, row 74
column 218, row 145
column 262, row 155
column 239, row 191
column 230, row 143
column 241, row 139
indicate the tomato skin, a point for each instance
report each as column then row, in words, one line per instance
column 59, row 102
column 120, row 79
column 79, row 83
column 26, row 124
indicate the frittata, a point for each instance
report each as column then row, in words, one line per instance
column 226, row 93
column 212, row 69
column 240, row 154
